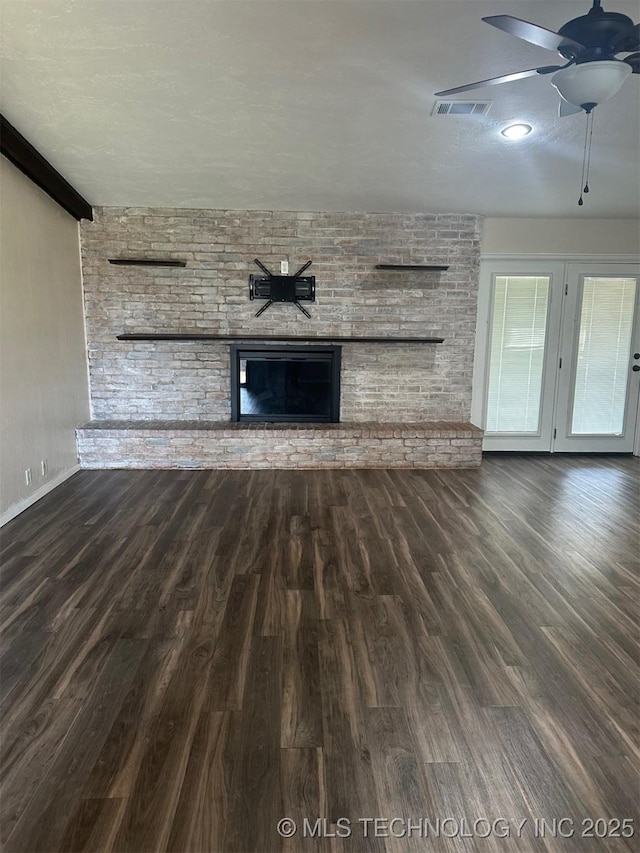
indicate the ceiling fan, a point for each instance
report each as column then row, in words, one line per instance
column 590, row 44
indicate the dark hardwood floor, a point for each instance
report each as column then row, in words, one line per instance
column 190, row 656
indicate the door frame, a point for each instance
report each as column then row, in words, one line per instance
column 526, row 264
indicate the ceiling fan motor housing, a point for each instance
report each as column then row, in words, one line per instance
column 603, row 34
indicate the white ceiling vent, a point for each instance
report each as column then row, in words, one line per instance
column 461, row 108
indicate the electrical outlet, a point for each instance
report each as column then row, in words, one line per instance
column 284, row 267
column 27, row 476
column 44, row 467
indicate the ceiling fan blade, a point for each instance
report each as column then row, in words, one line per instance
column 629, row 42
column 532, row 32
column 505, row 78
column 567, row 109
column 634, row 62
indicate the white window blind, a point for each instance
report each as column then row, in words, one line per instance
column 516, row 362
column 602, row 365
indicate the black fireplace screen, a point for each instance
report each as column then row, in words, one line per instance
column 285, row 383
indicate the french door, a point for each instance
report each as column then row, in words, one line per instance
column 561, row 356
column 600, row 347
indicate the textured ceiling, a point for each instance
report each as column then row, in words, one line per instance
column 307, row 104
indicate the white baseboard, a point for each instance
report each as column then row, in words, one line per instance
column 16, row 509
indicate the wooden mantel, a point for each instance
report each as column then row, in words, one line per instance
column 181, row 336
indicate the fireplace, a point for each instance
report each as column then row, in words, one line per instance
column 296, row 384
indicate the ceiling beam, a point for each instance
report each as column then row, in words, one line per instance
column 23, row 155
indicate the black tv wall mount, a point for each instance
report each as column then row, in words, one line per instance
column 282, row 288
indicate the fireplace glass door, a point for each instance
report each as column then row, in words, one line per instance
column 290, row 384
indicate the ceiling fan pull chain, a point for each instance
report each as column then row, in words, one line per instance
column 586, row 154
column 589, row 117
column 584, row 160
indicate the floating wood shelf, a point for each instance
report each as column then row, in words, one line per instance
column 146, row 262
column 178, row 336
column 433, row 267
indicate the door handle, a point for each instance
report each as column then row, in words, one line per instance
column 636, row 368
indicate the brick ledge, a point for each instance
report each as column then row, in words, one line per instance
column 380, row 429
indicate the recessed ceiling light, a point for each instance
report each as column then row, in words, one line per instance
column 516, row 131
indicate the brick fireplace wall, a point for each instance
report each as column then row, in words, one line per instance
column 190, row 381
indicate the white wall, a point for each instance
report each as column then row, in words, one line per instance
column 561, row 237
column 43, row 376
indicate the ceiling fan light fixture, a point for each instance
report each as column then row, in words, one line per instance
column 516, row 131
column 591, row 82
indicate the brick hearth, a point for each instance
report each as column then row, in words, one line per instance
column 217, row 444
